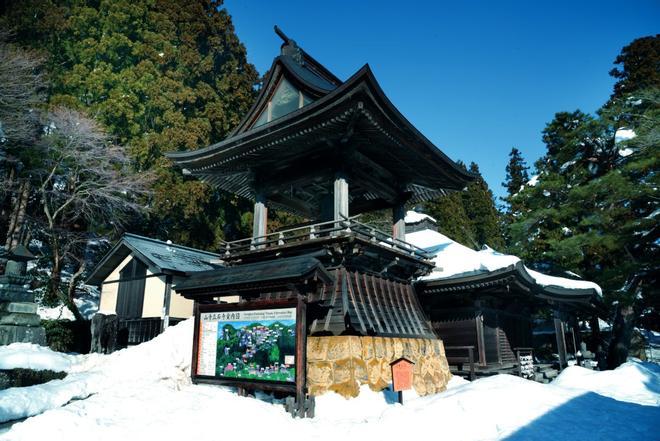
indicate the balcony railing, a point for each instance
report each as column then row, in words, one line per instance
column 349, row 226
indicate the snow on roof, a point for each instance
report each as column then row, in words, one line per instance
column 454, row 260
column 412, row 217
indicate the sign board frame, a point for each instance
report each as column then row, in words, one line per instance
column 298, row 386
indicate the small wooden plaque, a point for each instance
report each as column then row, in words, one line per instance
column 402, row 374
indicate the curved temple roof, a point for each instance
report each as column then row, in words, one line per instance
column 337, row 123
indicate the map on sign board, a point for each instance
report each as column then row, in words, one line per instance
column 248, row 345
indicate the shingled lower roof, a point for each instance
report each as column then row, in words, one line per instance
column 270, row 273
column 159, row 256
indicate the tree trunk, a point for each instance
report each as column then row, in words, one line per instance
column 17, row 218
column 622, row 331
column 71, row 292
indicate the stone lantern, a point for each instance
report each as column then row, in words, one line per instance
column 19, row 321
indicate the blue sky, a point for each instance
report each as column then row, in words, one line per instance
column 476, row 77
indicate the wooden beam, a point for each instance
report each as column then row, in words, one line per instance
column 260, row 221
column 561, row 339
column 398, row 222
column 292, row 203
column 341, row 198
column 167, row 299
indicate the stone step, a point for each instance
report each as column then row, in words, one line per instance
column 22, row 307
column 22, row 334
column 19, row 319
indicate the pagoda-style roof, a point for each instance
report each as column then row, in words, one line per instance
column 331, row 125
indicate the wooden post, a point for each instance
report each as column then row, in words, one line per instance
column 341, row 199
column 260, row 221
column 398, row 222
column 167, row 297
column 561, row 339
column 301, row 356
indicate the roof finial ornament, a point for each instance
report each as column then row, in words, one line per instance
column 289, row 47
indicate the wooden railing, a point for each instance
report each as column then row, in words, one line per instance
column 347, row 226
column 459, row 361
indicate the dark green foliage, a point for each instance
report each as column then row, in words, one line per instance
column 516, row 173
column 27, row 377
column 470, row 216
column 595, row 208
column 452, row 219
column 640, row 66
column 162, row 76
column 68, row 336
column 479, row 205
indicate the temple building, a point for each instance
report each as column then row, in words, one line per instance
column 485, row 300
column 328, row 150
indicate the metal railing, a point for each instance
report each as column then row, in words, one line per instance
column 349, row 226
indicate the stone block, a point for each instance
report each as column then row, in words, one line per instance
column 374, row 374
column 22, row 334
column 379, row 347
column 360, row 370
column 19, row 319
column 317, row 348
column 15, row 294
column 338, row 348
column 22, row 307
column 349, row 389
column 367, row 348
column 342, row 370
column 319, row 374
column 355, row 346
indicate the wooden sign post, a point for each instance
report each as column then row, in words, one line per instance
column 402, row 376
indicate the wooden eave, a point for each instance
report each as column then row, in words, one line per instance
column 352, row 252
column 278, row 273
column 361, row 98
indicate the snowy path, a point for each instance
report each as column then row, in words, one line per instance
column 161, row 404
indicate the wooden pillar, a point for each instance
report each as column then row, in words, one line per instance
column 398, row 222
column 561, row 338
column 260, row 220
column 341, row 198
column 167, row 298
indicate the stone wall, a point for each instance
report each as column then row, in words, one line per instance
column 341, row 364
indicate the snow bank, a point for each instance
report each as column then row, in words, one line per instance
column 455, row 260
column 633, row 382
column 165, row 359
column 31, row 356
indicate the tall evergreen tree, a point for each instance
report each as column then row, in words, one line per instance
column 639, row 66
column 516, row 173
column 161, row 75
column 452, row 219
column 594, row 209
column 479, row 205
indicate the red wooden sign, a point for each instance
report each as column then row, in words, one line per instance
column 402, row 374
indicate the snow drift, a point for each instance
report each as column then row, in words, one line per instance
column 145, row 392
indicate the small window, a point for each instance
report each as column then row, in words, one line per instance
column 285, row 100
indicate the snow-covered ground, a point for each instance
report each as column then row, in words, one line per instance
column 145, row 392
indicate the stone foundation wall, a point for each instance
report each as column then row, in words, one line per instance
column 341, row 364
